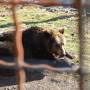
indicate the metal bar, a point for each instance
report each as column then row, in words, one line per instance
column 40, row 66
column 51, row 68
column 4, row 63
column 19, row 50
column 40, row 2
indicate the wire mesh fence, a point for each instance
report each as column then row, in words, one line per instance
column 19, row 63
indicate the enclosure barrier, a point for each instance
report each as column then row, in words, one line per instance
column 19, row 50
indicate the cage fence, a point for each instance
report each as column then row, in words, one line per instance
column 18, row 46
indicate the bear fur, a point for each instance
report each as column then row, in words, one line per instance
column 38, row 43
column 42, row 43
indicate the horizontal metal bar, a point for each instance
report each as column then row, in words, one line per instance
column 8, row 64
column 41, row 66
column 76, row 4
column 51, row 68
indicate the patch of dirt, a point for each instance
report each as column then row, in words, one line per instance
column 48, row 81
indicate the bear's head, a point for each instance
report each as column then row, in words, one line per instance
column 55, row 43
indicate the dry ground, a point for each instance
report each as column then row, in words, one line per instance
column 51, row 81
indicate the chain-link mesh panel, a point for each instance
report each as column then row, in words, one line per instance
column 18, row 50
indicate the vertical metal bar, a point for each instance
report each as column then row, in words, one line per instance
column 79, row 6
column 19, row 50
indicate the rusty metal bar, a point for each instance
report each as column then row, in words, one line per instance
column 19, row 49
column 42, row 2
column 4, row 63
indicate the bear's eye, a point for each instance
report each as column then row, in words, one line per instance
column 62, row 43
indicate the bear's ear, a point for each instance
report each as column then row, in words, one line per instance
column 61, row 31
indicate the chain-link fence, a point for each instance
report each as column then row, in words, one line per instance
column 19, row 63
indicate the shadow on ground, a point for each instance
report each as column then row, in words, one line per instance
column 8, row 75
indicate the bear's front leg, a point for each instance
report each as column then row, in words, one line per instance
column 69, row 56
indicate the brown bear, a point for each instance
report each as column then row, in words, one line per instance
column 41, row 43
